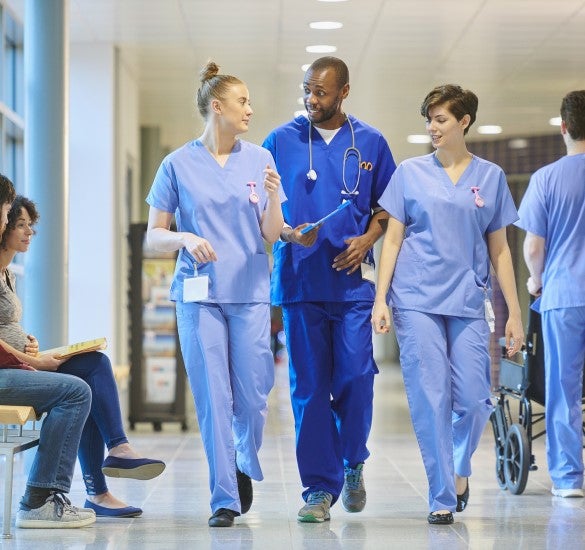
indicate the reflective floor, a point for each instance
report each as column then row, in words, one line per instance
column 176, row 504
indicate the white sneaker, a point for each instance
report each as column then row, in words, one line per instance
column 56, row 513
column 567, row 493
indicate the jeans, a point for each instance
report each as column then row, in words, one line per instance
column 67, row 401
column 104, row 424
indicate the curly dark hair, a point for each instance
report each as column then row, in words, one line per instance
column 6, row 190
column 19, row 204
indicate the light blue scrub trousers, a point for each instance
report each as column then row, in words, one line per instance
column 446, row 370
column 563, row 332
column 331, row 369
column 226, row 349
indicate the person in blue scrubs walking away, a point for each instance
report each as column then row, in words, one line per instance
column 225, row 195
column 553, row 214
column 323, row 279
column 448, row 216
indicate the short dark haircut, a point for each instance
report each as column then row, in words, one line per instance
column 329, row 62
column 460, row 102
column 573, row 114
column 7, row 192
column 19, row 204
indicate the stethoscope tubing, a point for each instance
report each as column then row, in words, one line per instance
column 350, row 151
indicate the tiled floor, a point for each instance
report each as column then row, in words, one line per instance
column 176, row 504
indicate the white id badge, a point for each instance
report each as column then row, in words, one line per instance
column 196, row 289
column 368, row 272
column 489, row 315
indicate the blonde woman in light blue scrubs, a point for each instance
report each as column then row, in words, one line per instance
column 226, row 198
column 448, row 216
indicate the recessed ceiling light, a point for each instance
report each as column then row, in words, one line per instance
column 518, row 143
column 321, row 48
column 555, row 121
column 489, row 129
column 418, row 138
column 304, row 69
column 325, row 25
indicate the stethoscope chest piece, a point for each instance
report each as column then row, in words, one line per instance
column 312, row 175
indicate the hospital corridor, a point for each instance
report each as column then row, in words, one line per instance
column 176, row 505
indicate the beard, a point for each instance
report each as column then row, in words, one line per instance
column 323, row 115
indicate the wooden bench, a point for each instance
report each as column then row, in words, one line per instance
column 14, row 441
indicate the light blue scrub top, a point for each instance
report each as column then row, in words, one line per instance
column 443, row 266
column 553, row 207
column 304, row 274
column 214, row 203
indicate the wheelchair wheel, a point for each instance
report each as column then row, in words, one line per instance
column 516, row 459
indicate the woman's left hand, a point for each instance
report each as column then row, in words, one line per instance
column 514, row 336
column 32, row 347
column 271, row 180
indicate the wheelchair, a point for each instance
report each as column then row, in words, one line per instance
column 525, row 383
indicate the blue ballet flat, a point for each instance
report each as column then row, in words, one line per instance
column 133, row 468
column 102, row 511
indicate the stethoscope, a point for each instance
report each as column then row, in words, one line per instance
column 349, row 152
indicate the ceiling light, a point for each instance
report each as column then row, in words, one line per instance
column 304, row 69
column 418, row 138
column 555, row 121
column 518, row 143
column 326, row 25
column 321, row 48
column 489, row 129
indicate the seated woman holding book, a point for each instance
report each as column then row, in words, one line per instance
column 104, row 424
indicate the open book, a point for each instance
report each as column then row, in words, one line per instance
column 74, row 349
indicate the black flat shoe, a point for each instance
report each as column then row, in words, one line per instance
column 222, row 518
column 440, row 519
column 245, row 490
column 462, row 499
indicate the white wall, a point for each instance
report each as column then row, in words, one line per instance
column 103, row 156
column 128, row 195
column 92, row 194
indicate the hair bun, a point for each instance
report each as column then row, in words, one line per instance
column 210, row 70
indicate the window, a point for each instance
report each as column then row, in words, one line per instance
column 12, row 107
column 11, row 97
